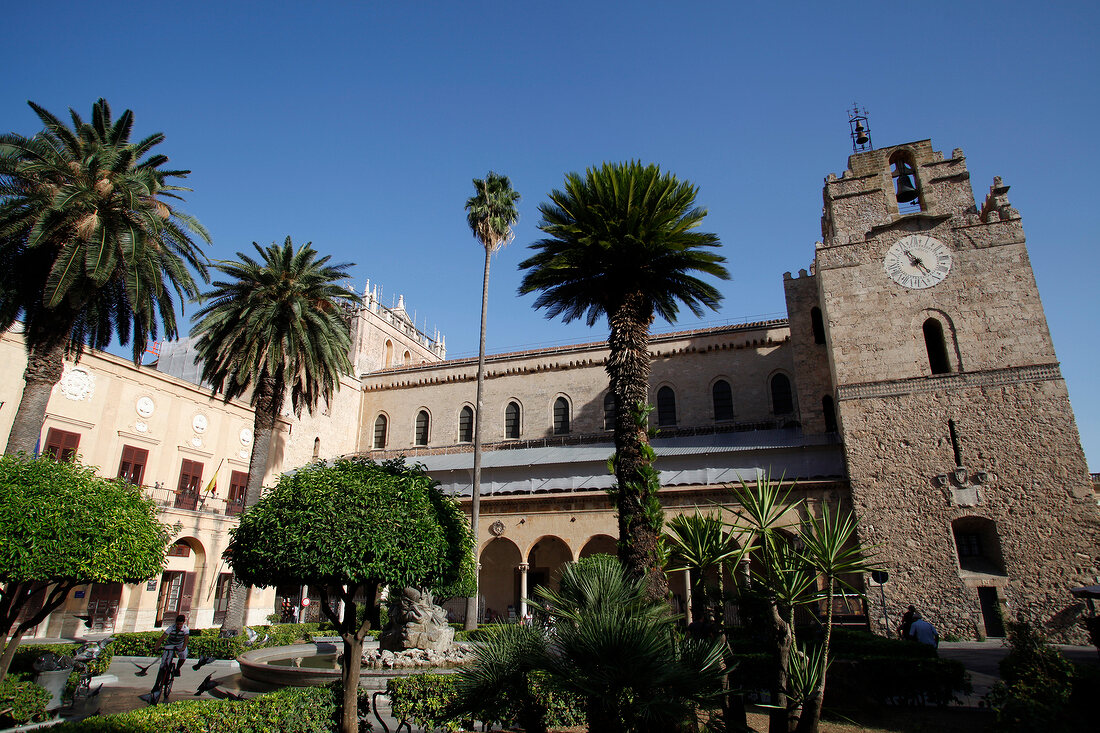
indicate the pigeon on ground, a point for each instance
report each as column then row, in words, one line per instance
column 150, row 697
column 206, row 684
column 252, row 636
column 86, row 619
column 203, row 661
column 95, row 692
column 231, row 696
column 142, row 671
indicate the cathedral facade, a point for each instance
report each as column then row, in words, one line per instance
column 913, row 382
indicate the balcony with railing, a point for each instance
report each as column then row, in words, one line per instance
column 194, row 500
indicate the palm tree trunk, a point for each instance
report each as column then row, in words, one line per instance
column 628, row 365
column 268, row 404
column 475, row 492
column 44, row 367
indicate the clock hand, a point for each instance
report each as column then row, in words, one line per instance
column 917, row 263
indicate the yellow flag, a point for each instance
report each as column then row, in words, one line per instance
column 212, row 487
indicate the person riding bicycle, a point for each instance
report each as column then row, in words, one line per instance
column 175, row 639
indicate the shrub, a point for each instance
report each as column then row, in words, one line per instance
column 206, row 642
column 289, row 710
column 1036, row 682
column 21, row 701
column 424, row 699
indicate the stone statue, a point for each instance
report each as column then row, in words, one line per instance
column 416, row 623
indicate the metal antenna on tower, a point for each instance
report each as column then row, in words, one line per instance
column 860, row 129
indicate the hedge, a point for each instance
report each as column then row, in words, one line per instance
column 289, row 710
column 206, row 642
column 21, row 701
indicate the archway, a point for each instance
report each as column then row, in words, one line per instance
column 544, row 561
column 181, row 581
column 601, row 544
column 498, row 586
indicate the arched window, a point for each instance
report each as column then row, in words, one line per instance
column 666, row 406
column 782, row 402
column 388, row 354
column 906, row 184
column 466, row 425
column 609, row 411
column 561, row 416
column 936, row 346
column 316, row 447
column 380, row 432
column 818, row 325
column 422, row 423
column 407, row 358
column 723, row 401
column 978, row 545
column 829, row 410
column 511, row 420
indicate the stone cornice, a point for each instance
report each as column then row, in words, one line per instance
column 942, row 382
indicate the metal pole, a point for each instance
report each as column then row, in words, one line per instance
column 885, row 616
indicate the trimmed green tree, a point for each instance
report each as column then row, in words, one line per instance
column 92, row 247
column 62, row 526
column 491, row 214
column 622, row 242
column 278, row 325
column 349, row 529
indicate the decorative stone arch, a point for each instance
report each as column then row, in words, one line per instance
column 387, row 359
column 665, row 400
column 781, row 396
column 498, row 576
column 380, row 431
column 422, row 426
column 507, row 418
column 721, row 405
column 558, row 425
column 600, row 544
column 545, row 558
column 466, row 419
column 407, row 357
column 183, row 581
column 937, row 343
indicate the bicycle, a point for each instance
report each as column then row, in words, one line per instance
column 162, row 688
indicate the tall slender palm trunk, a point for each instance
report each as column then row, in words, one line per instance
column 475, row 493
column 628, row 366
column 44, row 367
column 269, row 403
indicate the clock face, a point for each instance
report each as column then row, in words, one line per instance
column 917, row 261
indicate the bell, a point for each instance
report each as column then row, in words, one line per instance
column 906, row 190
column 861, row 134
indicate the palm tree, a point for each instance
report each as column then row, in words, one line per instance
column 91, row 247
column 277, row 325
column 700, row 545
column 491, row 214
column 621, row 243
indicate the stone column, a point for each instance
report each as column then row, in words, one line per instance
column 523, row 568
column 480, row 595
column 687, row 596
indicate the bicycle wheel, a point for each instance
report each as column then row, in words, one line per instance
column 169, row 678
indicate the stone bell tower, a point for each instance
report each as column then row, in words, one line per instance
column 965, row 463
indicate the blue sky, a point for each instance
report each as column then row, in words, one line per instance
column 358, row 126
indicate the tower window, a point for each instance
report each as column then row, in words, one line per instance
column 782, row 401
column 380, row 432
column 609, row 411
column 828, row 409
column 978, row 545
column 561, row 416
column 906, row 189
column 722, row 396
column 936, row 346
column 511, row 421
column 422, row 421
column 818, row 325
column 406, row 358
column 666, row 406
column 316, row 447
column 466, row 425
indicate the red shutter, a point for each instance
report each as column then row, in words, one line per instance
column 61, row 444
column 188, row 592
column 132, row 465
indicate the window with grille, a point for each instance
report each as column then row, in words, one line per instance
column 179, row 549
column 422, row 422
column 782, row 400
column 561, row 416
column 609, row 411
column 722, row 396
column 511, row 420
column 380, row 432
column 666, row 406
column 466, row 425
column 132, row 466
column 61, row 445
